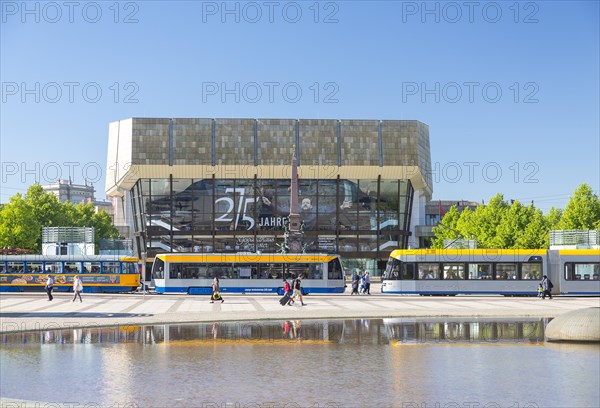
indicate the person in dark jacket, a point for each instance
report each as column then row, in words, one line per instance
column 355, row 281
column 547, row 286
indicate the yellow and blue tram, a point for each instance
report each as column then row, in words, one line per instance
column 99, row 273
column 193, row 273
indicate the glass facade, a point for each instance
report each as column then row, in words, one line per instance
column 359, row 218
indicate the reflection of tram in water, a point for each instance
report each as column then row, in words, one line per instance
column 403, row 331
column 492, row 271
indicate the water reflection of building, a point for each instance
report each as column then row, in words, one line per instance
column 356, row 331
column 215, row 185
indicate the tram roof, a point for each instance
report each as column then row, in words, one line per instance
column 245, row 257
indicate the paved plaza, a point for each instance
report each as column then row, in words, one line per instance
column 33, row 311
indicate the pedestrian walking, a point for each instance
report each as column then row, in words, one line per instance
column 367, row 278
column 77, row 288
column 355, row 280
column 216, row 291
column 547, row 286
column 297, row 287
column 49, row 287
column 287, row 293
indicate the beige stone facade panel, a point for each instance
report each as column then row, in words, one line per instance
column 192, row 141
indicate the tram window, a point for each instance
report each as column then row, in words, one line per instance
column 2, row 268
column 15, row 267
column 295, row 270
column 111, row 267
column 220, row 271
column 454, row 271
column 568, row 271
column 480, row 271
column 72, row 267
column 130, row 267
column 91, row 267
column 34, row 267
column 429, row 271
column 506, row 271
column 275, row 271
column 245, row 271
column 587, row 271
column 175, row 271
column 315, row 271
column 392, row 270
column 53, row 267
column 334, row 269
column 531, row 271
column 408, row 271
column 158, row 268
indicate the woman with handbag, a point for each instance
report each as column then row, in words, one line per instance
column 216, row 291
column 77, row 288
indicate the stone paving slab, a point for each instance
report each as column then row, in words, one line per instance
column 32, row 311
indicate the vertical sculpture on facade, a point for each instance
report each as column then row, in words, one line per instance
column 293, row 229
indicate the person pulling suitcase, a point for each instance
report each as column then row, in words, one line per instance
column 287, row 291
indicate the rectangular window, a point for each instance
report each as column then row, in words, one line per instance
column 454, row 271
column 35, row 267
column 53, row 267
column 506, row 271
column 334, row 269
column 187, row 271
column 15, row 267
column 130, row 267
column 111, row 267
column 91, row 267
column 408, row 271
column 72, row 267
column 429, row 271
column 480, row 271
column 531, row 271
column 585, row 271
column 221, row 271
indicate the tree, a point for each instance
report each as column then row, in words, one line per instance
column 19, row 226
column 22, row 219
column 446, row 228
column 553, row 218
column 536, row 233
column 500, row 225
column 582, row 211
column 487, row 219
column 497, row 225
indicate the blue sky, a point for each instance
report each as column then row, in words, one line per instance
column 510, row 90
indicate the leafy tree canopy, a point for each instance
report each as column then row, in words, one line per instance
column 23, row 217
column 502, row 225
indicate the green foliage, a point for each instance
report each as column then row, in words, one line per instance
column 19, row 226
column 502, row 225
column 582, row 211
column 22, row 219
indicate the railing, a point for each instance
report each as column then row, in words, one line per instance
column 74, row 235
column 589, row 238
